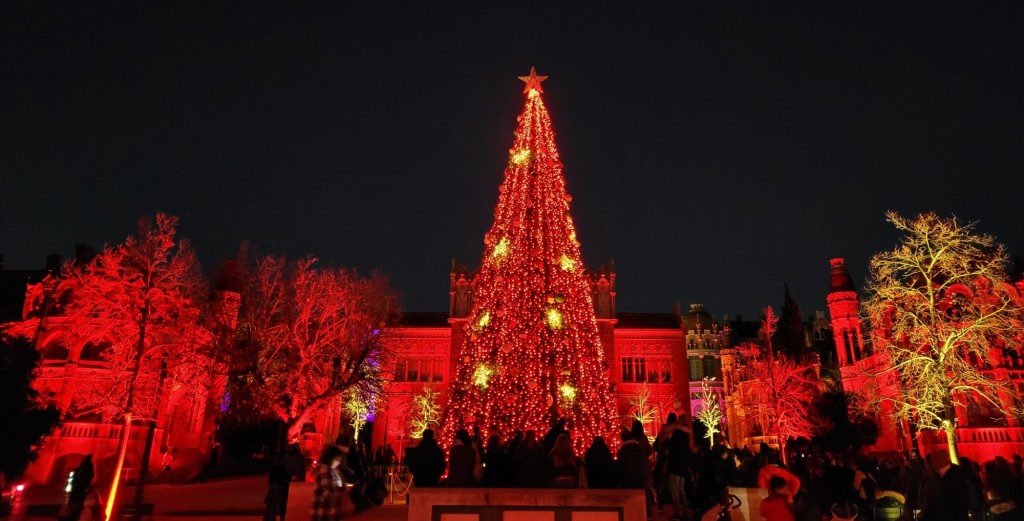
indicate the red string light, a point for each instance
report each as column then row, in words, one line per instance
column 532, row 351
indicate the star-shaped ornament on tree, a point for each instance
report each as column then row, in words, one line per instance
column 533, row 81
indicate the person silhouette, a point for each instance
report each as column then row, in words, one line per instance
column 81, row 479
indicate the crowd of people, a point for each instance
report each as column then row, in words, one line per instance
column 525, row 460
column 688, row 482
column 348, row 478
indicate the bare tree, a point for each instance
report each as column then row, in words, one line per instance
column 710, row 413
column 776, row 393
column 941, row 315
column 316, row 334
column 643, row 410
column 141, row 301
column 357, row 409
column 425, row 412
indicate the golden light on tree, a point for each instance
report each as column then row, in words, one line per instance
column 941, row 314
column 568, row 392
column 425, row 413
column 642, row 409
column 521, row 157
column 484, row 320
column 357, row 408
column 482, row 376
column 710, row 413
column 567, row 263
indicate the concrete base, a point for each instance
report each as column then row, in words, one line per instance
column 750, row 508
column 525, row 504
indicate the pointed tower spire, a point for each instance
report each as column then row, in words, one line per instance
column 844, row 308
column 532, row 352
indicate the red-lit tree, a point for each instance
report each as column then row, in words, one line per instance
column 314, row 335
column 532, row 352
column 142, row 300
column 776, row 393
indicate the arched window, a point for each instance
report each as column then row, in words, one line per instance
column 95, row 351
column 55, row 353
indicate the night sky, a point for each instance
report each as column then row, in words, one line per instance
column 715, row 150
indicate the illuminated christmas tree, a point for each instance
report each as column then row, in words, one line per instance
column 532, row 352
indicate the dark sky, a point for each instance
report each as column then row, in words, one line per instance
column 715, row 150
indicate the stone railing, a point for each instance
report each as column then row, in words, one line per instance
column 975, row 435
column 756, row 441
column 980, row 444
column 99, row 430
column 989, row 435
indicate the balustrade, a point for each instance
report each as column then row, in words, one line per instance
column 100, row 430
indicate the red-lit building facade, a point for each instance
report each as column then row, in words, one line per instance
column 656, row 352
column 982, row 432
column 665, row 356
column 647, row 352
column 185, row 420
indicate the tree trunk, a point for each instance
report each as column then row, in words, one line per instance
column 147, row 453
column 147, row 449
column 295, row 426
column 782, row 450
column 125, row 433
column 951, row 441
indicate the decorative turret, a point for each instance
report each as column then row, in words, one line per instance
column 844, row 307
column 698, row 320
column 602, row 288
column 461, row 291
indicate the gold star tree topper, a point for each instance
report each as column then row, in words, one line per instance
column 533, row 81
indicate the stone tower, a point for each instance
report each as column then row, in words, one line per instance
column 844, row 307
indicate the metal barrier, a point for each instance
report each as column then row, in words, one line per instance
column 398, row 480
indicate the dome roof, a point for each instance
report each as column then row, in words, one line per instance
column 840, row 279
column 698, row 319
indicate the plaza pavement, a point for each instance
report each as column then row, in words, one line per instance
column 236, row 499
column 242, row 498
